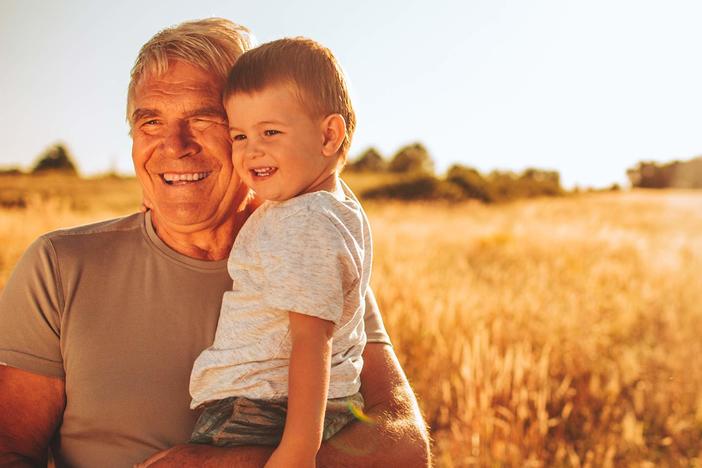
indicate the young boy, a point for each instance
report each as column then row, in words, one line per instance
column 290, row 336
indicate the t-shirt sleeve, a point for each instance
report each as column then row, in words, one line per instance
column 30, row 305
column 308, row 266
column 375, row 329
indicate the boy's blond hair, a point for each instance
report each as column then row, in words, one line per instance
column 306, row 64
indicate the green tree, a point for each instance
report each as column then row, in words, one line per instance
column 416, row 187
column 55, row 158
column 470, row 181
column 369, row 161
column 412, row 158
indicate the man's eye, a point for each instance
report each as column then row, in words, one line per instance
column 151, row 122
column 271, row 132
column 201, row 124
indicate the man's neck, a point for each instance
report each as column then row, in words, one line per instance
column 205, row 244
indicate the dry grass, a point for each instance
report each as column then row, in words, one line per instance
column 551, row 332
column 557, row 332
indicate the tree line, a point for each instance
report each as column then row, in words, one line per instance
column 410, row 175
column 416, row 180
column 676, row 174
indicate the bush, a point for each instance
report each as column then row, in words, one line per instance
column 420, row 187
column 413, row 158
column 55, row 158
column 676, row 174
column 370, row 161
column 11, row 171
column 470, row 181
column 504, row 185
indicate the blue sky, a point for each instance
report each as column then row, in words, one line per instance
column 586, row 88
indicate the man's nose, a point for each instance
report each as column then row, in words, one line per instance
column 179, row 141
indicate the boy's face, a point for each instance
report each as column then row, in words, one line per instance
column 276, row 144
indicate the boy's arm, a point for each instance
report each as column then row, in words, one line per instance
column 399, row 437
column 308, row 384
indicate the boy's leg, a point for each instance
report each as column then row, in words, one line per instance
column 240, row 421
column 340, row 412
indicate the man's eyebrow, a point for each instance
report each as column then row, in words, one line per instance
column 211, row 111
column 141, row 113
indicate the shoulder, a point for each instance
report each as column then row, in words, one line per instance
column 100, row 236
column 124, row 224
column 317, row 208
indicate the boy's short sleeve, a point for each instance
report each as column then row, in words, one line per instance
column 308, row 265
column 30, row 305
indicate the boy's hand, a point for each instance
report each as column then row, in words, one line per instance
column 283, row 458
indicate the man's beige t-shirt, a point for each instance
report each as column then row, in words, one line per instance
column 121, row 317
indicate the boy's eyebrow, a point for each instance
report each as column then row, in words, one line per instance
column 263, row 122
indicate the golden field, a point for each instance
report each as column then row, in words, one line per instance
column 548, row 332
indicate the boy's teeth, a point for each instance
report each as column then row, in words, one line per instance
column 192, row 176
column 263, row 171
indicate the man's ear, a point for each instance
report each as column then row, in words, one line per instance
column 333, row 134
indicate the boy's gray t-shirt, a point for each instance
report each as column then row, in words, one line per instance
column 120, row 317
column 310, row 254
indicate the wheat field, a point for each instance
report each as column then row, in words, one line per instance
column 548, row 332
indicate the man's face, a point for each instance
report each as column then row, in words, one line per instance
column 181, row 148
column 276, row 144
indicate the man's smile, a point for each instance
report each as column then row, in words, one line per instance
column 173, row 178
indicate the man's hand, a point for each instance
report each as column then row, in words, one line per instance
column 283, row 458
column 396, row 436
column 197, row 456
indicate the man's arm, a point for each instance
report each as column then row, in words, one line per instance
column 31, row 407
column 397, row 436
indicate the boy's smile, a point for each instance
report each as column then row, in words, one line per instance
column 277, row 145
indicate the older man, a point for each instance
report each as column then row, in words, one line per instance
column 100, row 325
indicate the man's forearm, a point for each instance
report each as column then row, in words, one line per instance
column 12, row 460
column 207, row 456
column 396, row 434
column 392, row 438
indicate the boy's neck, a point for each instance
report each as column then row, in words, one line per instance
column 328, row 184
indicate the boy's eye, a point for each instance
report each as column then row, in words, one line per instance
column 271, row 132
column 238, row 137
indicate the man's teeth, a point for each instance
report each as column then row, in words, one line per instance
column 191, row 177
column 263, row 171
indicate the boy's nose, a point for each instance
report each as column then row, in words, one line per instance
column 253, row 150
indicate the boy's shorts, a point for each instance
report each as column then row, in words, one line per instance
column 242, row 421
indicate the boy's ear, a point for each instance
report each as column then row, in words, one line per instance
column 333, row 134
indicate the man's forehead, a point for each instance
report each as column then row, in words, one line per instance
column 180, row 78
column 166, row 84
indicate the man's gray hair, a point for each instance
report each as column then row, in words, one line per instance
column 213, row 44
